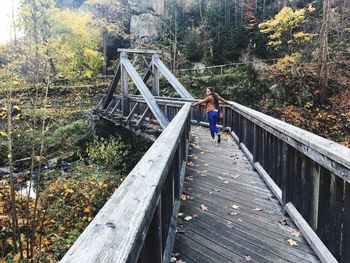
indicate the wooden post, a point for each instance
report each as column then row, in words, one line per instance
column 255, row 142
column 124, row 87
column 155, row 71
column 285, row 178
column 345, row 251
column 316, row 170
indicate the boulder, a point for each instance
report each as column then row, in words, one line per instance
column 144, row 28
column 155, row 7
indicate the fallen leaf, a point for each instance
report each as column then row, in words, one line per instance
column 220, row 178
column 259, row 209
column 173, row 259
column 235, row 176
column 234, row 213
column 205, row 164
column 283, row 222
column 88, row 209
column 267, row 197
column 225, row 182
column 235, row 207
column 180, row 214
column 296, row 234
column 253, row 182
column 292, row 243
column 188, row 218
column 240, row 220
column 204, row 208
column 248, row 258
column 183, row 197
column 217, row 190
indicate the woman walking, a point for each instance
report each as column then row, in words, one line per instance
column 212, row 109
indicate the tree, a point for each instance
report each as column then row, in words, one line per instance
column 285, row 31
column 109, row 20
column 323, row 61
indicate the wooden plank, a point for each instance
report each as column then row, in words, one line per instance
column 124, row 86
column 149, row 98
column 333, row 156
column 155, row 83
column 323, row 228
column 246, row 152
column 111, row 238
column 112, row 87
column 316, row 170
column 336, row 215
column 314, row 241
column 132, row 112
column 181, row 90
column 254, row 235
column 139, row 51
column 196, row 251
column 272, row 185
column 345, row 251
column 152, row 249
column 115, row 108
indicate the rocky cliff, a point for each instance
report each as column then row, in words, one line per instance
column 145, row 20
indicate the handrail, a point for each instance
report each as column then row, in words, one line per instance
column 309, row 175
column 140, row 217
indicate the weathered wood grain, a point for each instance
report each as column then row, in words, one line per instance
column 118, row 232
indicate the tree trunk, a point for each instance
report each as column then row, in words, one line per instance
column 323, row 62
column 13, row 22
column 105, row 39
column 15, row 228
column 175, row 41
column 200, row 9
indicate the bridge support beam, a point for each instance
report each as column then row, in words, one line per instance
column 124, row 86
column 155, row 71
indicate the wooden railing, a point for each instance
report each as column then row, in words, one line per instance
column 309, row 175
column 137, row 224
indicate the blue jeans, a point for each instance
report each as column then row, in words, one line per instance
column 213, row 118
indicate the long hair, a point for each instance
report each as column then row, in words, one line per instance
column 215, row 97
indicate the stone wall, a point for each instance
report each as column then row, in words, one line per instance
column 145, row 20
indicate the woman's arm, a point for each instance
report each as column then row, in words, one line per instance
column 224, row 101
column 201, row 101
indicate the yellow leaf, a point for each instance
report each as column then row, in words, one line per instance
column 15, row 82
column 292, row 243
column 235, row 207
column 204, row 208
column 296, row 234
column 2, row 133
column 188, row 218
column 88, row 209
column 70, row 191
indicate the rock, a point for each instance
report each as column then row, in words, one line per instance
column 155, row 7
column 145, row 20
column 277, row 91
column 4, row 170
column 52, row 163
column 144, row 28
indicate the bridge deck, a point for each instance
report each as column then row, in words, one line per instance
column 220, row 178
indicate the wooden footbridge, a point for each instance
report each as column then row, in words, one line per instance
column 270, row 192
